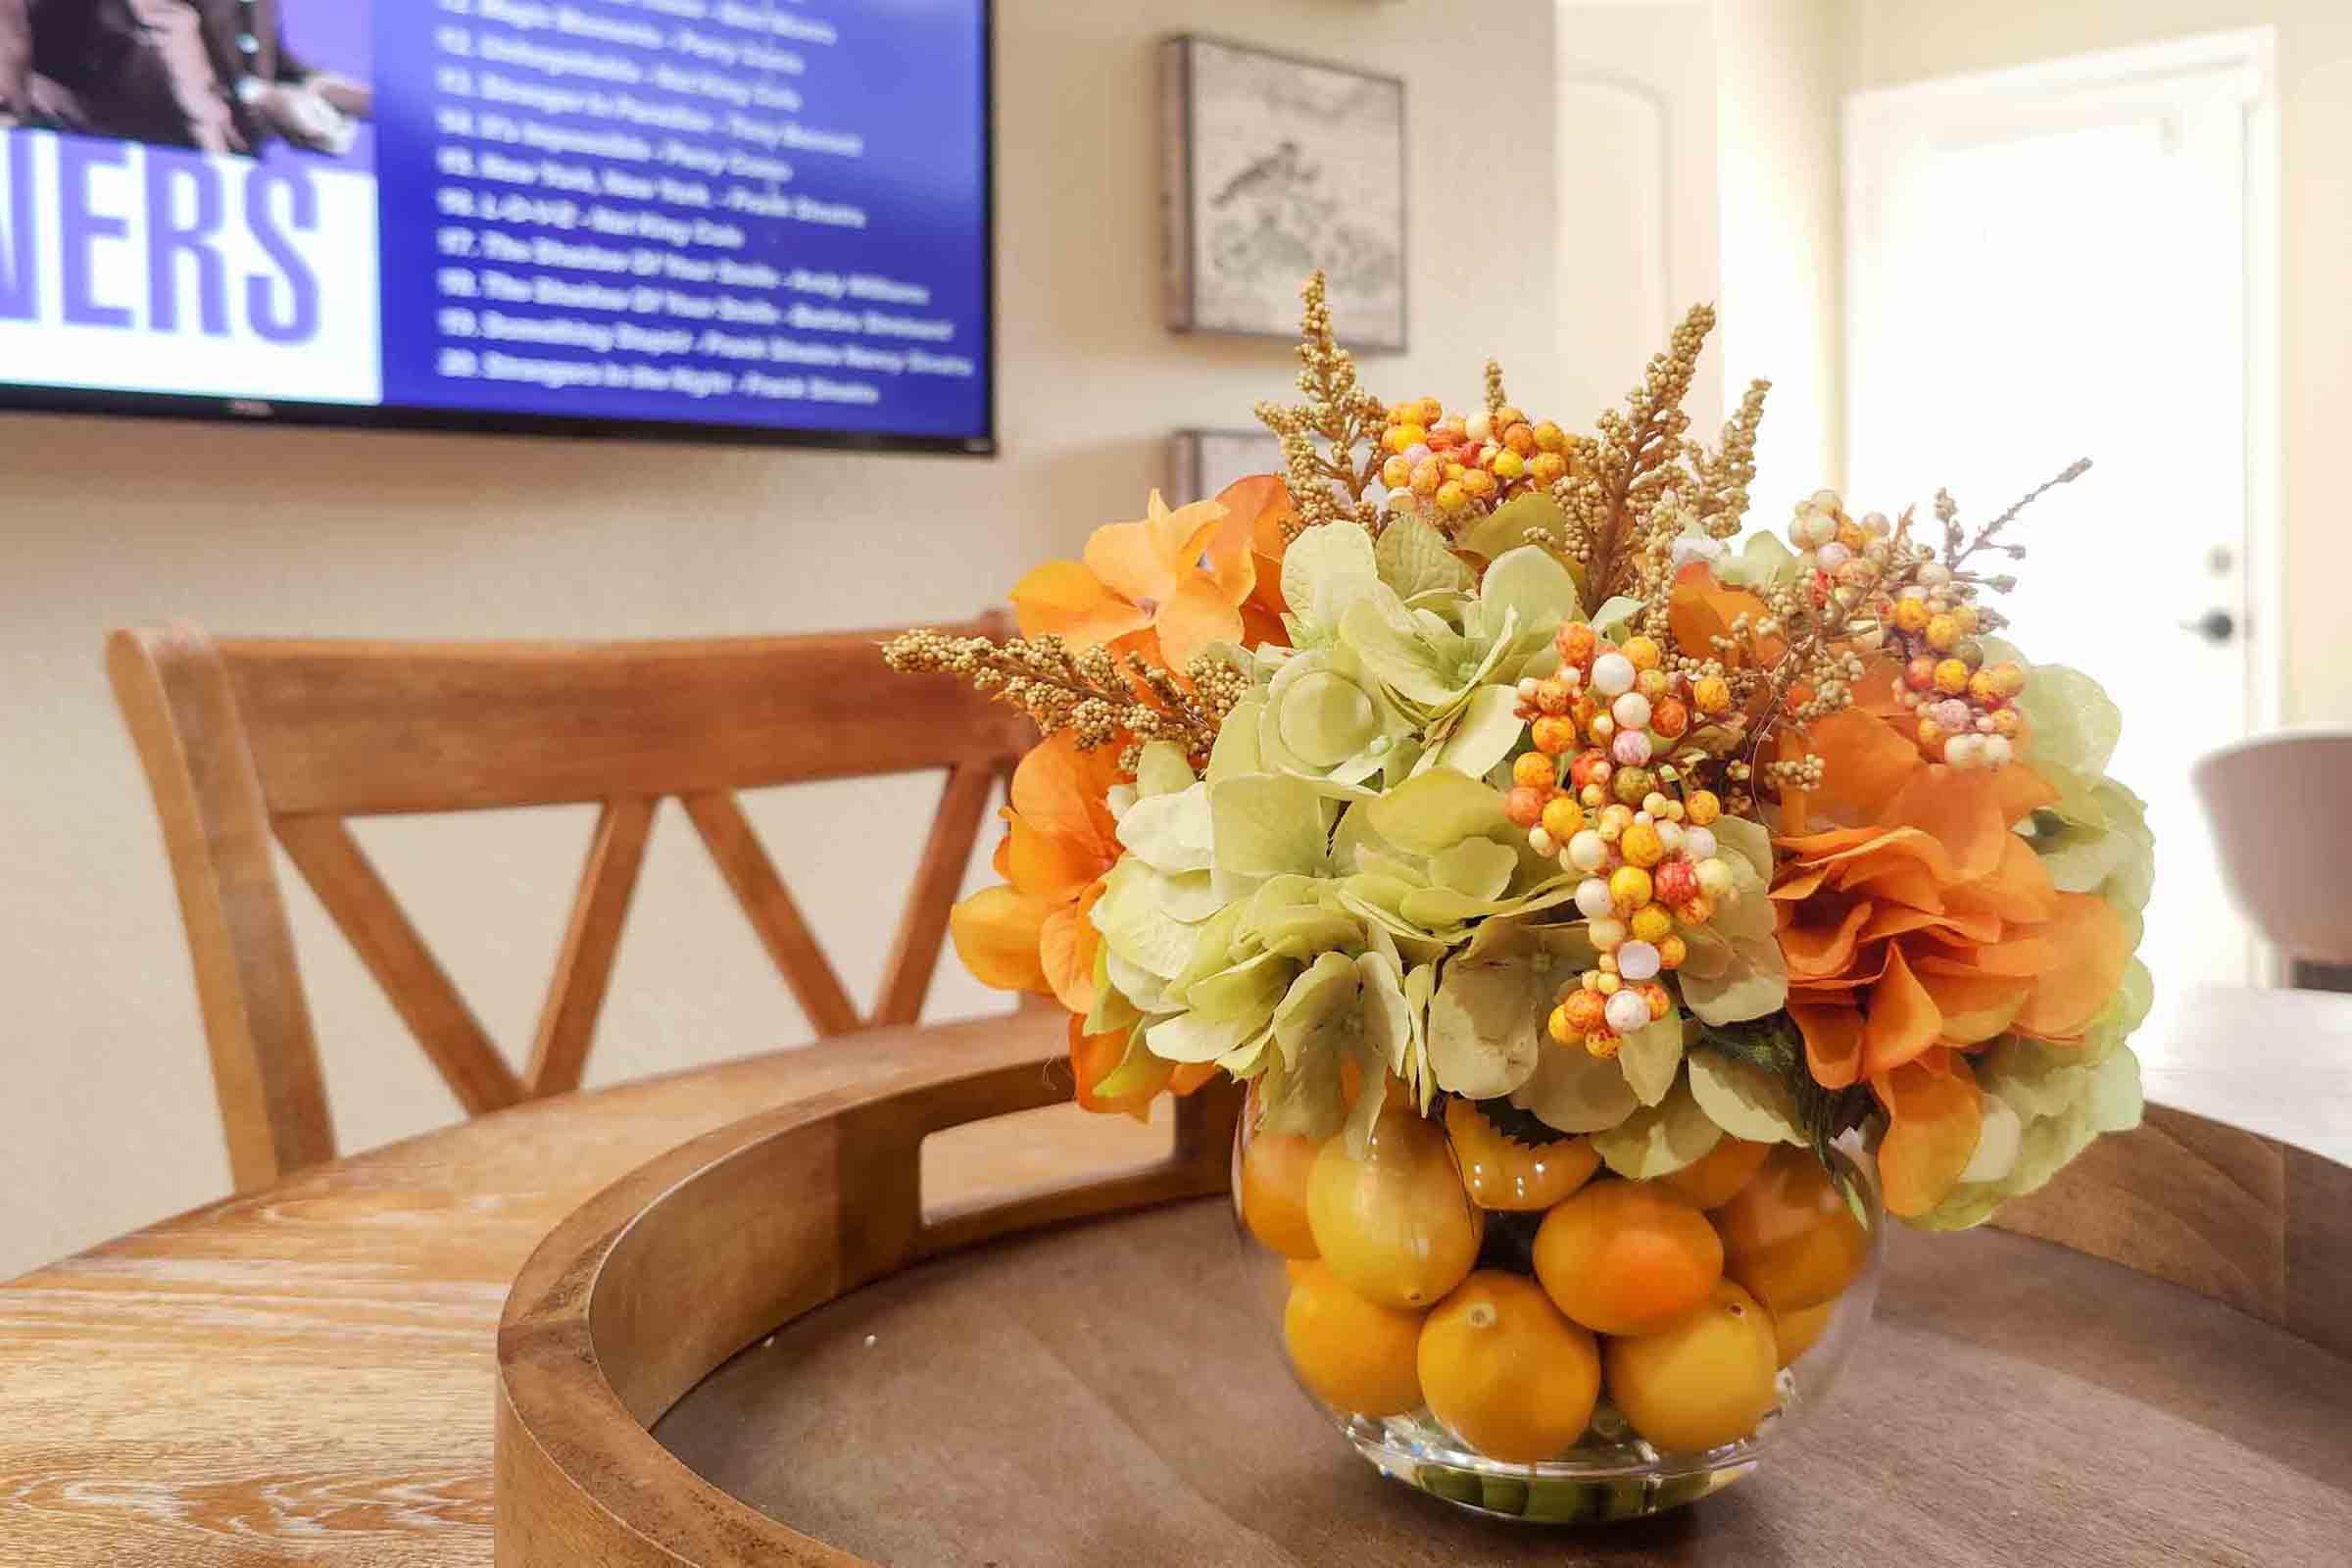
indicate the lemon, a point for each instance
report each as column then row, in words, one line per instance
column 1394, row 1222
column 1626, row 1258
column 1704, row 1379
column 1350, row 1352
column 1505, row 1372
column 1275, row 1167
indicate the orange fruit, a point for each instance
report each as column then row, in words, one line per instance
column 1626, row 1258
column 1702, row 1381
column 1788, row 1236
column 1709, row 1180
column 1275, row 1167
column 1350, row 1352
column 1500, row 1172
column 1798, row 1331
column 1394, row 1222
column 1505, row 1372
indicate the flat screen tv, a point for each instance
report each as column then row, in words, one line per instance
column 740, row 219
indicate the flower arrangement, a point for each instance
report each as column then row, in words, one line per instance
column 1476, row 792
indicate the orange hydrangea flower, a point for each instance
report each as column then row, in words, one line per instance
column 1033, row 933
column 1918, row 926
column 1173, row 583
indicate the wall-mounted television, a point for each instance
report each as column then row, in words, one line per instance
column 735, row 219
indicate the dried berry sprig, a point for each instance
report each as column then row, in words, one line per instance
column 1099, row 697
column 1328, row 485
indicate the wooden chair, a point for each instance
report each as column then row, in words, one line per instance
column 248, row 740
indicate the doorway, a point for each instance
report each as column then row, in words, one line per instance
column 2080, row 258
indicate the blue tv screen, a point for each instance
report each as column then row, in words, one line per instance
column 752, row 220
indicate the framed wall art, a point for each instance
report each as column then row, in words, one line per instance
column 1276, row 165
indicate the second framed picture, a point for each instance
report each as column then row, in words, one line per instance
column 1276, row 165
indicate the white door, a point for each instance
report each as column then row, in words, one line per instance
column 2072, row 261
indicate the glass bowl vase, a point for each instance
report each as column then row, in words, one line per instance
column 1491, row 1316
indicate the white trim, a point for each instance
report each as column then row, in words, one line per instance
column 1870, row 123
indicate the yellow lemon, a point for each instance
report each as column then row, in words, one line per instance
column 1702, row 1381
column 1394, row 1222
column 1353, row 1353
column 1505, row 1372
column 1709, row 1180
column 1798, row 1331
column 1626, row 1258
column 1503, row 1173
column 1275, row 1167
column 1788, row 1236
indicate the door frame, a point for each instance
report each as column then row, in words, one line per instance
column 2245, row 62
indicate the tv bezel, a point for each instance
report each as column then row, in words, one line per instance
column 18, row 397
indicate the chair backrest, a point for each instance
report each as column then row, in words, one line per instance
column 246, row 741
column 2276, row 807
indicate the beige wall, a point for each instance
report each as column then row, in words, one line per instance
column 107, row 1120
column 1890, row 42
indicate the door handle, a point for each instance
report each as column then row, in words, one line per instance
column 2217, row 625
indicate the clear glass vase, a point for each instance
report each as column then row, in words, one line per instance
column 1497, row 1320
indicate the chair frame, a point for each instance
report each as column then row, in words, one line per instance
column 249, row 741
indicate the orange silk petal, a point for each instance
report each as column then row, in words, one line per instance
column 1095, row 1058
column 2020, row 792
column 1064, row 792
column 2018, row 890
column 1934, row 1115
column 2088, row 950
column 996, row 932
column 1147, row 559
column 1960, row 811
column 1832, row 1042
column 1904, row 1020
column 1233, row 557
column 1063, row 598
column 1065, row 950
column 1269, row 540
column 1817, row 952
column 1700, row 609
column 1049, row 865
column 1974, row 1008
column 1194, row 616
column 1867, row 765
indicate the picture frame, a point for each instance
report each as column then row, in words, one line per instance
column 1274, row 165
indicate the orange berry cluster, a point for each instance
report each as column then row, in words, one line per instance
column 1648, row 860
column 1964, row 706
column 1452, row 467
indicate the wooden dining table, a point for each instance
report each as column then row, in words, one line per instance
column 305, row 1374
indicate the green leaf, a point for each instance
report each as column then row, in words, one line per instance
column 1744, row 842
column 1265, row 826
column 1415, row 560
column 1478, row 868
column 1507, row 526
column 1392, row 645
column 1762, row 560
column 1743, row 1099
column 1726, row 981
column 1659, row 1140
column 1315, row 1013
column 1325, row 569
column 1190, row 1038
column 1650, row 1057
column 1533, row 583
column 1484, row 1027
column 2075, row 723
column 1433, row 812
column 1574, row 1091
column 1235, row 753
column 1133, row 917
column 1170, row 831
column 1482, row 734
column 1162, row 770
